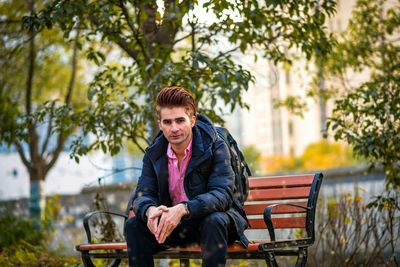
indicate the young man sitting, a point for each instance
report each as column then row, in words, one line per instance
column 185, row 194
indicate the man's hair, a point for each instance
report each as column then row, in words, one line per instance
column 175, row 96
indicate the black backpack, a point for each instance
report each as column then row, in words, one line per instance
column 239, row 165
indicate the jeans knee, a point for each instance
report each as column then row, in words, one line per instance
column 132, row 225
column 216, row 220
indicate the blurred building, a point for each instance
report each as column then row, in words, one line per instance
column 275, row 131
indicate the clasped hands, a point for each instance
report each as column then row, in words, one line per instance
column 162, row 220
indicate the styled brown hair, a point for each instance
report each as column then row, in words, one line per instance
column 175, row 96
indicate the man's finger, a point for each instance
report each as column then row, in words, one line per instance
column 163, row 233
column 166, row 234
column 160, row 226
column 151, row 225
column 163, row 208
column 156, row 213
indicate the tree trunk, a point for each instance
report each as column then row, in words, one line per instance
column 37, row 200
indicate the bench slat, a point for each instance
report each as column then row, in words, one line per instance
column 279, row 223
column 257, row 209
column 279, row 182
column 236, row 247
column 101, row 246
column 281, row 193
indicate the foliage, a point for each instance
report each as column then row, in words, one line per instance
column 252, row 156
column 324, row 155
column 25, row 254
column 361, row 74
column 104, row 224
column 38, row 92
column 276, row 164
column 348, row 234
column 316, row 156
column 367, row 115
column 23, row 244
column 170, row 43
column 43, row 64
column 14, row 230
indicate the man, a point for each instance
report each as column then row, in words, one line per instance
column 185, row 193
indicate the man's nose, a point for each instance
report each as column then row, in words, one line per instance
column 174, row 127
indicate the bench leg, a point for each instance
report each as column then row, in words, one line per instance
column 270, row 259
column 302, row 258
column 184, row 263
column 87, row 261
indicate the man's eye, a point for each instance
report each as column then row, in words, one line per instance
column 181, row 120
column 167, row 122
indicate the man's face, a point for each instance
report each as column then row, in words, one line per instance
column 176, row 125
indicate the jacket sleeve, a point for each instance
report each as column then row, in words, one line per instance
column 146, row 190
column 220, row 185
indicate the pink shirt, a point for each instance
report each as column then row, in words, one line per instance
column 176, row 175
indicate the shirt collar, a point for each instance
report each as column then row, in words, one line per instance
column 171, row 154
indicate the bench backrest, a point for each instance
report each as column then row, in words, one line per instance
column 300, row 190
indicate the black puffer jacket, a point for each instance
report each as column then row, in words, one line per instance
column 209, row 179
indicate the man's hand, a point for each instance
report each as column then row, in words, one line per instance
column 153, row 215
column 169, row 221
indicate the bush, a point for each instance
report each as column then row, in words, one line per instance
column 13, row 230
column 24, row 243
column 352, row 233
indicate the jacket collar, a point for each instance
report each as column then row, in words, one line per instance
column 204, row 135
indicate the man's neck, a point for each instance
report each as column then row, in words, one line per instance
column 180, row 149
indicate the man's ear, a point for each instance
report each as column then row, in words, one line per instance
column 192, row 120
column 159, row 124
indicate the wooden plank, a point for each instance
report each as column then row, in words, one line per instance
column 234, row 248
column 257, row 209
column 279, row 223
column 281, row 181
column 101, row 246
column 281, row 193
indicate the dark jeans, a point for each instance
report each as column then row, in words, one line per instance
column 212, row 233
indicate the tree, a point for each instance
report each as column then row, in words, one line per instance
column 367, row 116
column 39, row 75
column 316, row 156
column 252, row 156
column 324, row 155
column 168, row 43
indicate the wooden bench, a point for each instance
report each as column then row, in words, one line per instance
column 281, row 202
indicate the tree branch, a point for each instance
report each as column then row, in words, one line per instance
column 61, row 136
column 125, row 46
column 136, row 142
column 31, row 70
column 22, row 156
column 183, row 38
column 226, row 52
column 74, row 63
column 55, row 153
column 48, row 134
column 10, row 21
column 135, row 31
column 121, row 41
column 33, row 137
column 149, row 26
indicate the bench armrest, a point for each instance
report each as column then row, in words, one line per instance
column 268, row 217
column 89, row 215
